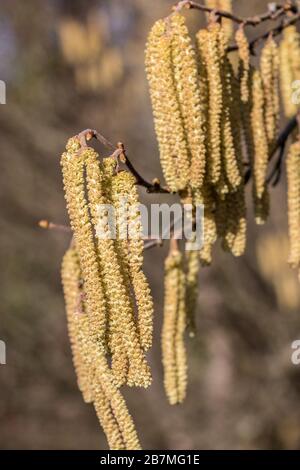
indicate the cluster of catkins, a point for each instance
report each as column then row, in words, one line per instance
column 108, row 300
column 213, row 120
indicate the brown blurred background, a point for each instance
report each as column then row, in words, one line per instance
column 70, row 65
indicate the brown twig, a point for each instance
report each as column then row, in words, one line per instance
column 271, row 32
column 273, row 13
column 120, row 153
column 46, row 225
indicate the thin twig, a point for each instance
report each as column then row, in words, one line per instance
column 46, row 225
column 271, row 32
column 273, row 12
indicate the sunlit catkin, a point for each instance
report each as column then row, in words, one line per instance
column 209, row 44
column 71, row 280
column 189, row 96
column 118, row 300
column 293, row 176
column 290, row 70
column 73, row 172
column 168, row 121
column 244, row 55
column 192, row 263
column 131, row 246
column 174, row 325
column 259, row 135
column 269, row 65
column 84, row 359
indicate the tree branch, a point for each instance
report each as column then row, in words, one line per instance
column 273, row 13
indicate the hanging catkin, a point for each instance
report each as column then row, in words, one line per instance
column 191, row 294
column 73, row 173
column 290, row 69
column 119, row 302
column 109, row 403
column 244, row 69
column 169, row 127
column 269, row 65
column 126, row 203
column 261, row 153
column 207, row 197
column 174, row 325
column 209, row 44
column 188, row 94
column 293, row 175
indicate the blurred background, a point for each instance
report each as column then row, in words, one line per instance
column 71, row 65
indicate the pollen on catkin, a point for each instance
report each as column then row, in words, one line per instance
column 73, row 173
column 293, row 177
column 168, row 121
column 119, row 302
column 260, row 139
column 189, row 96
column 289, row 68
column 131, row 246
column 244, row 69
column 209, row 43
column 269, row 65
column 174, row 325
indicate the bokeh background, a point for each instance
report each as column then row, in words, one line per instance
column 70, row 65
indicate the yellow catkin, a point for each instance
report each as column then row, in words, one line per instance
column 225, row 5
column 173, row 348
column 119, row 302
column 293, row 175
column 82, row 353
column 189, row 97
column 269, row 64
column 169, row 126
column 192, row 278
column 289, row 69
column 131, row 246
column 236, row 225
column 231, row 145
column 207, row 197
column 73, row 172
column 244, row 55
column 259, row 137
column 210, row 43
column 71, row 280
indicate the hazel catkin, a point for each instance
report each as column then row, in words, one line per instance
column 293, row 177
column 174, row 324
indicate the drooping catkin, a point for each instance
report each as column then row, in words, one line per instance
column 231, row 144
column 192, row 267
column 235, row 226
column 131, row 247
column 189, row 96
column 293, row 176
column 290, row 69
column 81, row 341
column 174, row 325
column 169, row 126
column 260, row 140
column 209, row 43
column 119, row 302
column 207, row 197
column 269, row 65
column 71, row 280
column 244, row 69
column 73, row 173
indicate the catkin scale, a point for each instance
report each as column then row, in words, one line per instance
column 244, row 55
column 173, row 348
column 293, row 176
